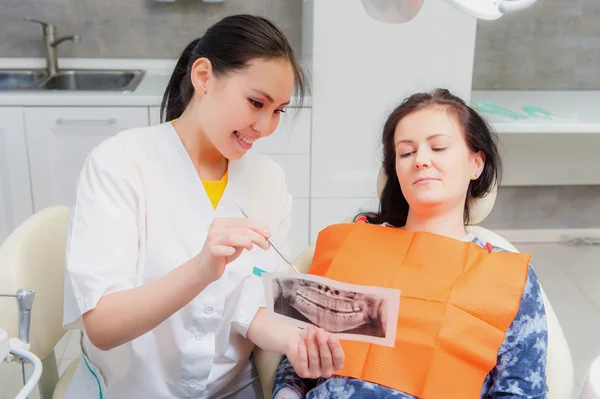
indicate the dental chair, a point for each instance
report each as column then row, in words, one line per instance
column 590, row 389
column 559, row 369
column 33, row 257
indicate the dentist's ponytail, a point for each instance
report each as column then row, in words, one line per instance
column 229, row 45
column 174, row 100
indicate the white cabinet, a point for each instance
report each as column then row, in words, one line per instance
column 297, row 173
column 154, row 115
column 289, row 146
column 300, row 226
column 15, row 189
column 60, row 139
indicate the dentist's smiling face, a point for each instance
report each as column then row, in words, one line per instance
column 434, row 164
column 245, row 105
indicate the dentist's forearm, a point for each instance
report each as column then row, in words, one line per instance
column 272, row 335
column 122, row 316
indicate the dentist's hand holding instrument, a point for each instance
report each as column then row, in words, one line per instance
column 313, row 352
column 269, row 240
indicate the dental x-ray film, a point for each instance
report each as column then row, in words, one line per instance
column 349, row 311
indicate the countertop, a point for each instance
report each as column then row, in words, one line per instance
column 540, row 111
column 508, row 111
column 148, row 93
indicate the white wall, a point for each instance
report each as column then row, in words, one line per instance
column 362, row 69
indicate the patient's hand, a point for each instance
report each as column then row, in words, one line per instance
column 315, row 353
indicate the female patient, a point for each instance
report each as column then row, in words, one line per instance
column 472, row 322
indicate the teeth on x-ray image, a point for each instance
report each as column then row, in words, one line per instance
column 352, row 312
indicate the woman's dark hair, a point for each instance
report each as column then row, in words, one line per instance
column 393, row 207
column 230, row 45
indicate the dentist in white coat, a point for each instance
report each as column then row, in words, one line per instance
column 160, row 260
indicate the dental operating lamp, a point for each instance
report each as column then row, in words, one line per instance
column 402, row 11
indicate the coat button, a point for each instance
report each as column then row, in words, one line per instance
column 208, row 310
column 192, row 384
column 200, row 335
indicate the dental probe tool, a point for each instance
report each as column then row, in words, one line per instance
column 268, row 239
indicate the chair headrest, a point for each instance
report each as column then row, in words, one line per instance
column 479, row 208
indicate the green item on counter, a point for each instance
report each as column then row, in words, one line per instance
column 497, row 109
column 531, row 111
column 539, row 112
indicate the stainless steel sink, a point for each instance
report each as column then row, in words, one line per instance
column 93, row 80
column 70, row 80
column 21, row 79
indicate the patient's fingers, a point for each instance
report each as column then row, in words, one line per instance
column 326, row 355
column 337, row 353
column 301, row 363
column 314, row 363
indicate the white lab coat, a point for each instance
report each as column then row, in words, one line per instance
column 141, row 211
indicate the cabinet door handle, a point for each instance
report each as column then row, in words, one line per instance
column 85, row 122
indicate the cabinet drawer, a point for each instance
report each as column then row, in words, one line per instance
column 84, row 121
column 60, row 139
column 292, row 135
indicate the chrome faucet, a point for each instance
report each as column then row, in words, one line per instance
column 51, row 43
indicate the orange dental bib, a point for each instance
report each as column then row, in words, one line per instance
column 457, row 302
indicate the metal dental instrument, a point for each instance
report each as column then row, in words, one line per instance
column 25, row 298
column 268, row 239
